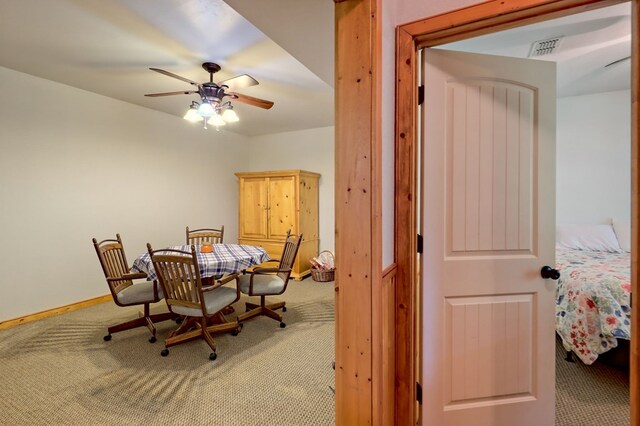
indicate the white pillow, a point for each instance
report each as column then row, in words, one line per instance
column 587, row 237
column 623, row 232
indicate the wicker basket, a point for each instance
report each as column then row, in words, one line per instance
column 321, row 275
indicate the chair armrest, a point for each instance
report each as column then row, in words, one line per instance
column 244, row 271
column 229, row 277
column 267, row 270
column 270, row 270
column 221, row 282
column 128, row 276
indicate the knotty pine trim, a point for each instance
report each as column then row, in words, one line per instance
column 387, row 350
column 405, row 224
column 483, row 18
column 55, row 311
column 358, row 245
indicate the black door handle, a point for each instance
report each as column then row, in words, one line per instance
column 549, row 272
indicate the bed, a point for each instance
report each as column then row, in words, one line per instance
column 593, row 298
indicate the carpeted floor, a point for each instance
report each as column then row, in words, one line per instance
column 590, row 395
column 60, row 371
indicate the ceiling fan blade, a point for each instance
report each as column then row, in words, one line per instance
column 239, row 82
column 181, row 92
column 618, row 61
column 249, row 100
column 170, row 74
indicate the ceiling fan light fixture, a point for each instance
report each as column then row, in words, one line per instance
column 192, row 114
column 229, row 115
column 206, row 110
column 216, row 120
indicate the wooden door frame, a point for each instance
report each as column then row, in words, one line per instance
column 483, row 18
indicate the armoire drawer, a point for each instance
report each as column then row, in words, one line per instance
column 273, row 249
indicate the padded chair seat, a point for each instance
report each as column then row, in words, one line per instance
column 262, row 284
column 214, row 301
column 138, row 293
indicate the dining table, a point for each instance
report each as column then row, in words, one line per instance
column 223, row 259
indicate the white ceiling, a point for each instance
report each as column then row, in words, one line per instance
column 106, row 47
column 591, row 41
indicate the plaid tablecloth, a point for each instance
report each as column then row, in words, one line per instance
column 225, row 259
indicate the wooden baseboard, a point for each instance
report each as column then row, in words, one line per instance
column 55, row 311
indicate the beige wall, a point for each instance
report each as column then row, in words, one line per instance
column 394, row 13
column 593, row 146
column 75, row 165
column 312, row 150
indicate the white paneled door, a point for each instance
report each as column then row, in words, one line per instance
column 489, row 227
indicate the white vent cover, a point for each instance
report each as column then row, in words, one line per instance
column 545, row 47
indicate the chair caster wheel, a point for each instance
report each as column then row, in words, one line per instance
column 284, row 309
column 164, row 352
column 282, row 325
column 213, row 356
column 107, row 337
column 152, row 339
column 235, row 332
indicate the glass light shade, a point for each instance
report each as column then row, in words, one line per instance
column 216, row 120
column 206, row 110
column 192, row 115
column 230, row 116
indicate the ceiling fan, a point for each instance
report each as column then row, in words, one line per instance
column 213, row 108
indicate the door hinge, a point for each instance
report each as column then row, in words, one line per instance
column 420, row 94
column 419, row 393
column 419, row 243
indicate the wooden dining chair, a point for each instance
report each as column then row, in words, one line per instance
column 205, row 235
column 185, row 295
column 262, row 281
column 123, row 289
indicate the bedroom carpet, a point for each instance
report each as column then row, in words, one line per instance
column 59, row 371
column 590, row 395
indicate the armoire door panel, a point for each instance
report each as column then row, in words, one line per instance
column 282, row 206
column 253, row 208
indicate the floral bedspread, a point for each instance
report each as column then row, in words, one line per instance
column 592, row 301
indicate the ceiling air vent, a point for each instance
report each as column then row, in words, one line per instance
column 545, row 47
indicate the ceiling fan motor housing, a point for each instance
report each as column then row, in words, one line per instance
column 212, row 92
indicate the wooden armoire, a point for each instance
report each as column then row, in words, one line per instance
column 270, row 204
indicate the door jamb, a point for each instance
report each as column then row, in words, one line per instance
column 483, row 18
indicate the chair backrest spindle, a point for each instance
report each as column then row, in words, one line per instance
column 205, row 235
